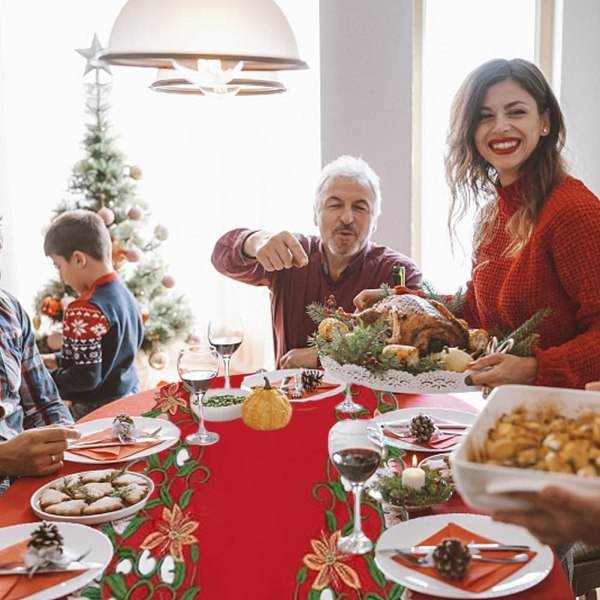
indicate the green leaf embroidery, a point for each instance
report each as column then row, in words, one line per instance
column 117, row 585
column 396, row 592
column 185, row 498
column 331, row 521
column 152, row 461
column 133, row 526
column 165, row 497
column 338, row 490
column 373, row 596
column 376, row 574
column 194, row 553
column 302, row 575
column 153, row 503
column 93, row 593
column 186, row 468
column 179, row 574
column 313, row 595
column 191, row 593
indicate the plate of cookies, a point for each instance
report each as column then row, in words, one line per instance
column 92, row 497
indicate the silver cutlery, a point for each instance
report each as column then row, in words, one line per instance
column 427, row 560
column 285, row 384
column 74, row 565
column 440, row 426
column 153, row 435
column 480, row 547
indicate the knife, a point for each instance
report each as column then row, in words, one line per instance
column 100, row 444
column 74, row 565
column 441, row 426
column 480, row 547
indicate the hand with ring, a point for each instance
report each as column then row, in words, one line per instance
column 36, row 451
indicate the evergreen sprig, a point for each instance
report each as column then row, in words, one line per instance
column 525, row 336
column 454, row 303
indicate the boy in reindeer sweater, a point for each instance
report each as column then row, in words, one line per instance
column 102, row 329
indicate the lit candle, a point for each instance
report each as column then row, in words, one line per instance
column 413, row 477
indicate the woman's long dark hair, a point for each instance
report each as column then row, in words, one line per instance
column 472, row 180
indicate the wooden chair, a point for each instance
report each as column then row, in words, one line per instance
column 586, row 571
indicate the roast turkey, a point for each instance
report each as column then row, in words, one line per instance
column 426, row 324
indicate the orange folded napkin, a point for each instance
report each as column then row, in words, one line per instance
column 110, row 453
column 439, row 440
column 320, row 389
column 13, row 587
column 480, row 576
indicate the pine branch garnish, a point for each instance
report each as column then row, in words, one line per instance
column 317, row 312
column 454, row 304
column 386, row 290
column 524, row 336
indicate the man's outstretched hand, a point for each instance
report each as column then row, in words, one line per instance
column 275, row 251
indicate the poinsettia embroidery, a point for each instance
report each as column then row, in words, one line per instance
column 328, row 561
column 176, row 532
column 169, row 398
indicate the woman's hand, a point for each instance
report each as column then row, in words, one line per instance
column 499, row 369
column 367, row 298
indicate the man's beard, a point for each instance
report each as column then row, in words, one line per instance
column 344, row 247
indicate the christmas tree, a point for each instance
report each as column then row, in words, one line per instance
column 104, row 183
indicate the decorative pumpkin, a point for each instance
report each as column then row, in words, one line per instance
column 266, row 408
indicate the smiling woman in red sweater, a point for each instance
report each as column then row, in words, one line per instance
column 537, row 237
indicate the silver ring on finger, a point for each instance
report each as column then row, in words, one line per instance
column 52, row 458
column 485, row 391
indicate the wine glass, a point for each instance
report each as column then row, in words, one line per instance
column 355, row 451
column 226, row 334
column 348, row 405
column 196, row 366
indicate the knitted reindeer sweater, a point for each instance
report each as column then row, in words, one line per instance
column 559, row 269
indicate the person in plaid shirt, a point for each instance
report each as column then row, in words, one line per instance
column 32, row 415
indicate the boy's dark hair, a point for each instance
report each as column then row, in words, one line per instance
column 81, row 230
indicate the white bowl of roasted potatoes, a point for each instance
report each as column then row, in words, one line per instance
column 525, row 438
column 92, row 497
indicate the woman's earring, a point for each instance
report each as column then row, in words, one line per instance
column 544, row 130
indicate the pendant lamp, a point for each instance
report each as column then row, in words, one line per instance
column 154, row 33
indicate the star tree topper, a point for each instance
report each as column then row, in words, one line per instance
column 90, row 55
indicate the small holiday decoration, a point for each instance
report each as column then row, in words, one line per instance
column 266, row 408
column 124, row 428
column 451, row 558
column 45, row 548
column 102, row 181
column 311, row 379
column 422, row 428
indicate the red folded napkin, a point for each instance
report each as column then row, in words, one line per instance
column 440, row 440
column 13, row 587
column 320, row 389
column 480, row 576
column 110, row 453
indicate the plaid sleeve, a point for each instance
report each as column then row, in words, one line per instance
column 39, row 395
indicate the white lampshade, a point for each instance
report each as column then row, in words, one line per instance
column 170, row 81
column 153, row 33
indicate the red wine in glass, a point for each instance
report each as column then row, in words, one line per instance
column 356, row 464
column 197, row 380
column 226, row 345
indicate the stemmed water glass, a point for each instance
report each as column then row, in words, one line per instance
column 196, row 366
column 226, row 334
column 355, row 451
column 348, row 405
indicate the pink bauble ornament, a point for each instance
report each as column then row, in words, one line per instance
column 161, row 233
column 134, row 255
column 135, row 213
column 107, row 215
column 168, row 281
column 158, row 360
column 193, row 339
column 55, row 341
column 135, row 172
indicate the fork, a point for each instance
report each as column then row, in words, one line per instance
column 122, row 440
column 427, row 560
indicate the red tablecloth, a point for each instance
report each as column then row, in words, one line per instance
column 251, row 517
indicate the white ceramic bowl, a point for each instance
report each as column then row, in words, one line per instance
column 90, row 519
column 223, row 413
column 487, row 487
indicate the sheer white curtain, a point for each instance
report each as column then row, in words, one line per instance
column 208, row 165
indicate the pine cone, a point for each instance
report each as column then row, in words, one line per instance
column 369, row 360
column 422, row 428
column 451, row 558
column 311, row 379
column 46, row 536
column 124, row 419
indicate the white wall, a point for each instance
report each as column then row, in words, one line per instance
column 366, row 96
column 580, row 87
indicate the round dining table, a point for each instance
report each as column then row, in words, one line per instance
column 254, row 516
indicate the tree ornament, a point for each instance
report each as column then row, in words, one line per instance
column 158, row 360
column 422, row 428
column 65, row 301
column 51, row 306
column 266, row 408
column 36, row 321
column 107, row 215
column 92, row 63
column 133, row 254
column 119, row 253
column 145, row 312
column 168, row 281
column 54, row 340
column 193, row 339
column 451, row 558
column 161, row 233
column 135, row 172
column 135, row 213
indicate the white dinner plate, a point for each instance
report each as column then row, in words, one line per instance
column 406, row 414
column 78, row 539
column 414, row 531
column 112, row 515
column 170, row 432
column 258, row 379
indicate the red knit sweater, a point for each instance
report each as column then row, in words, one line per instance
column 560, row 269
